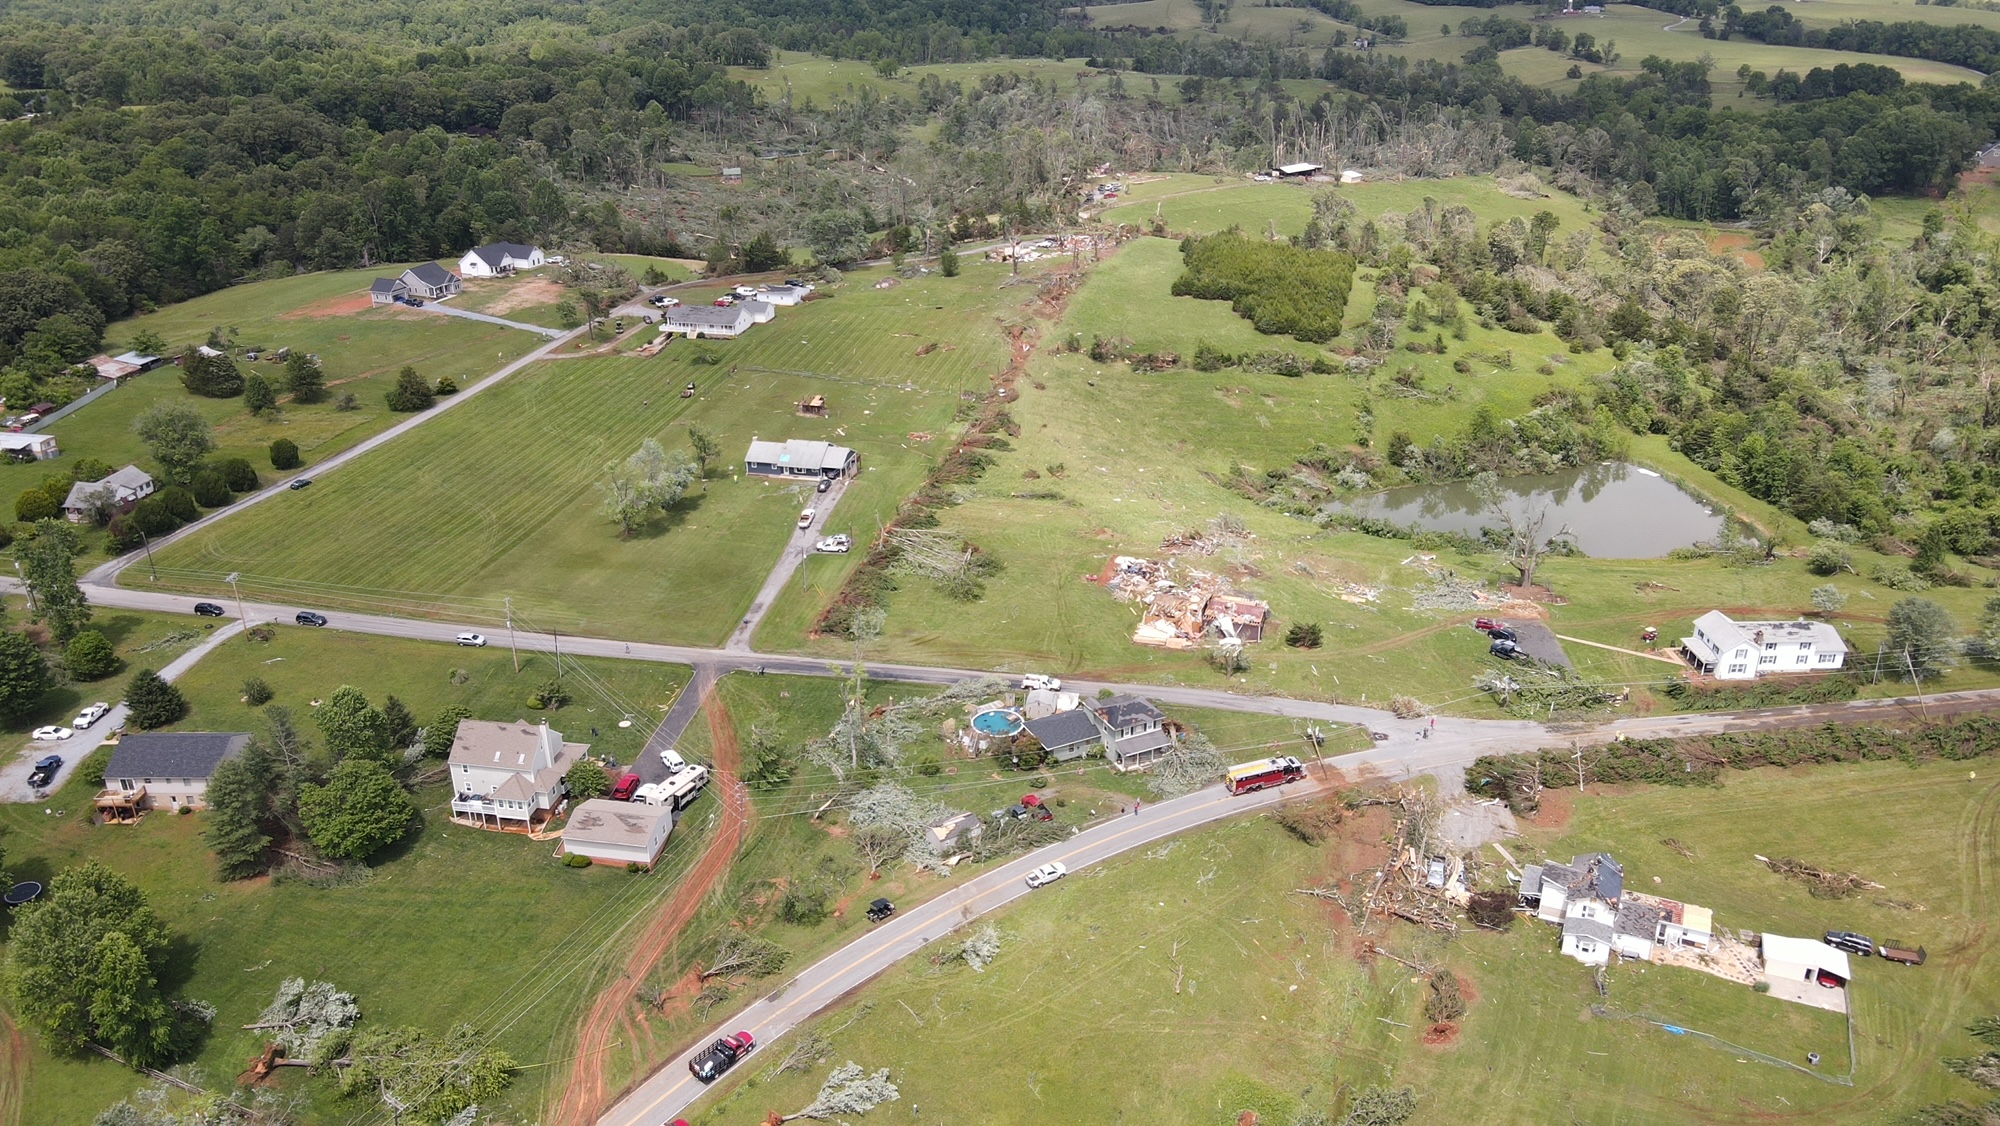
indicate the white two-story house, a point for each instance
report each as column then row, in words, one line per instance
column 1732, row 650
column 1133, row 730
column 508, row 775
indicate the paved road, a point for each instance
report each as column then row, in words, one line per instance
column 468, row 314
column 671, row 1088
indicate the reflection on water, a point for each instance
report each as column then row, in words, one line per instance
column 1616, row 511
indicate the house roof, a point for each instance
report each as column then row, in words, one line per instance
column 173, row 754
column 1725, row 633
column 130, row 477
column 495, row 254
column 1806, row 952
column 1640, row 920
column 1144, row 741
column 797, row 452
column 704, row 316
column 387, row 285
column 601, row 821
column 1698, row 919
column 1298, row 169
column 121, row 484
column 1586, row 928
column 431, row 274
column 1125, row 711
column 14, row 441
column 1064, row 729
column 957, row 825
column 498, row 746
column 138, row 358
column 798, row 291
column 1593, row 875
column 1531, row 880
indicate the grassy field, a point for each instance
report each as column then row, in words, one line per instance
column 804, row 77
column 1195, row 204
column 361, row 349
column 1276, row 1014
column 455, row 925
column 141, row 639
column 464, row 512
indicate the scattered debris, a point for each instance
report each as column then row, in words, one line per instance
column 1821, row 883
column 1184, row 607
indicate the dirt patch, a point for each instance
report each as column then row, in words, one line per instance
column 586, row 1093
column 1442, row 1034
column 1736, row 244
column 1557, row 806
column 522, row 294
column 346, row 305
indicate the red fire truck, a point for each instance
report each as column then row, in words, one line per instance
column 1262, row 774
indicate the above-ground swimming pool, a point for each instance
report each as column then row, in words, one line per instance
column 997, row 721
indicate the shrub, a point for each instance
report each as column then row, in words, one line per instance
column 1898, row 576
column 153, row 702
column 347, row 402
column 285, row 454
column 211, row 490
column 89, row 656
column 636, row 868
column 549, row 696
column 1305, row 635
column 238, row 474
column 256, row 693
column 410, row 393
column 573, row 860
column 804, row 904
column 1827, row 558
column 179, row 502
column 35, row 505
column 446, row 385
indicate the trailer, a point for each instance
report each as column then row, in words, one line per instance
column 1903, row 952
column 1262, row 774
column 679, row 790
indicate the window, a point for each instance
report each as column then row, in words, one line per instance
column 1804, row 659
column 1767, row 660
column 1828, row 658
column 1804, row 646
column 1770, row 646
column 1739, row 668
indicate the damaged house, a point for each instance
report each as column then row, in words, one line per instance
column 1599, row 918
column 1184, row 608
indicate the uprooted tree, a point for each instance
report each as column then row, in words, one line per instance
column 849, row 1089
column 645, row 485
column 1523, row 529
column 312, row 1022
column 746, row 955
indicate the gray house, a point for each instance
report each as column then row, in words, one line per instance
column 1067, row 735
column 1132, row 730
column 430, row 281
column 695, row 321
column 796, row 458
column 387, row 291
column 173, row 766
column 116, row 493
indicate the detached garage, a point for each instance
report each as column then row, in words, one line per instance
column 1808, row 972
column 616, row 832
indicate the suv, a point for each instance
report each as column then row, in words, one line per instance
column 209, row 610
column 309, row 618
column 880, row 910
column 625, row 787
column 834, row 544
column 1859, row 945
column 1503, row 633
column 721, row 1056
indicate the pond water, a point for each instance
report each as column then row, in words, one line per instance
column 1616, row 511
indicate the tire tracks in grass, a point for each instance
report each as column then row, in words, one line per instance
column 586, row 1094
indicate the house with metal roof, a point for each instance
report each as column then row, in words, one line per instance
column 783, row 294
column 1731, row 650
column 508, row 775
column 796, row 457
column 29, row 447
column 707, row 320
column 498, row 259
column 167, row 769
column 618, row 832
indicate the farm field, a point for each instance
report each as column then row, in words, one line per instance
column 462, row 513
column 1271, row 986
column 824, row 81
column 360, row 348
column 1197, row 204
column 453, row 925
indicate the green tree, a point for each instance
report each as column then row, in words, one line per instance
column 127, row 1012
column 304, row 379
column 837, row 237
column 351, row 727
column 567, row 315
column 147, row 342
column 91, row 469
column 410, row 393
column 240, row 796
column 358, row 812
column 24, row 676
column 763, row 253
column 178, row 436
column 211, row 490
column 1828, row 557
column 258, row 396
column 645, row 485
column 238, row 474
column 948, row 262
column 152, row 702
column 399, row 727
column 34, row 505
column 587, row 780
column 430, row 1079
column 257, row 692
column 89, row 656
column 1923, row 637
column 706, row 448
column 57, row 954
column 285, row 454
column 1828, row 599
column 212, row 377
column 440, row 732
column 48, row 562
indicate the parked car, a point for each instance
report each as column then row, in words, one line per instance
column 52, row 733
column 825, row 483
column 1502, row 633
column 721, row 1056
column 209, row 610
column 45, row 771
column 472, row 640
column 725, row 301
column 1484, row 624
column 806, row 518
column 1505, row 650
column 309, row 618
column 1036, row 680
column 794, row 282
column 91, row 715
column 744, row 291
column 1379, row 736
column 835, row 544
column 880, row 910
column 1859, row 945
column 622, row 791
column 1829, row 980
column 1046, row 875
column 662, row 301
column 299, row 483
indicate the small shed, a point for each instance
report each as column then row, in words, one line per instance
column 617, row 832
column 29, row 447
column 1294, row 171
column 957, row 830
column 1350, row 176
column 814, row 406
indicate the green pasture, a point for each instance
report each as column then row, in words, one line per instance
column 1196, row 204
column 454, row 925
column 500, row 498
column 805, row 77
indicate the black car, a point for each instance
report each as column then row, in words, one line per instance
column 299, row 483
column 308, row 618
column 1505, row 650
column 825, row 483
column 720, row 1056
column 880, row 910
column 1503, row 634
column 208, row 609
column 1857, row 944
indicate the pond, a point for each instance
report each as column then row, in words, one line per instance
column 1616, row 511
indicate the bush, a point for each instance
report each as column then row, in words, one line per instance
column 89, row 656
column 636, row 868
column 179, row 502
column 446, row 385
column 238, row 474
column 575, row 861
column 410, row 393
column 1898, row 576
column 35, row 505
column 153, row 702
column 1827, row 558
column 347, row 402
column 549, row 696
column 1305, row 635
column 210, row 490
column 256, row 693
column 285, row 454
column 804, row 904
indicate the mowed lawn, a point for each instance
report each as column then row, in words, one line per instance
column 1275, row 1014
column 453, row 926
column 1193, row 204
column 501, row 497
column 360, row 348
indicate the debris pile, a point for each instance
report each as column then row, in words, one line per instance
column 1184, row 607
column 1049, row 248
column 1419, row 882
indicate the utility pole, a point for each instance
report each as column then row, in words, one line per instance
column 510, row 634
column 558, row 640
column 31, row 590
column 1912, row 666
column 240, row 615
column 150, row 569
